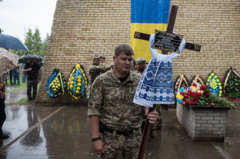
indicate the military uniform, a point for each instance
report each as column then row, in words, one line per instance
column 93, row 72
column 158, row 123
column 103, row 67
column 96, row 70
column 143, row 61
column 102, row 56
column 112, row 101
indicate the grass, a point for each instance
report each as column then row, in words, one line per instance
column 22, row 101
column 18, row 87
column 21, row 86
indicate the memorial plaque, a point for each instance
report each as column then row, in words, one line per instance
column 189, row 46
column 169, row 42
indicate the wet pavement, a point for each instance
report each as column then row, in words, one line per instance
column 15, row 96
column 42, row 132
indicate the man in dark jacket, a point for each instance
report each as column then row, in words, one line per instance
column 33, row 77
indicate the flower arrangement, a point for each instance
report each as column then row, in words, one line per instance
column 197, row 79
column 214, row 84
column 231, row 83
column 56, row 84
column 77, row 82
column 200, row 95
column 181, row 81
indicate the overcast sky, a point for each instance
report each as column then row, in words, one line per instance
column 17, row 16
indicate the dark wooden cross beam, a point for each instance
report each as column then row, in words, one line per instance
column 143, row 36
column 189, row 46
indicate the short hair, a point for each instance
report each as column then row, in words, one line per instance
column 141, row 60
column 102, row 56
column 96, row 56
column 123, row 49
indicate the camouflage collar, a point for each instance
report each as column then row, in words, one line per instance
column 129, row 78
column 94, row 64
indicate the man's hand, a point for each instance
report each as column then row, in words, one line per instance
column 152, row 117
column 99, row 147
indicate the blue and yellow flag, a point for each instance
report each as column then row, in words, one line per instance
column 146, row 16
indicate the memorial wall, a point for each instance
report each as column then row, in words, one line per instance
column 82, row 28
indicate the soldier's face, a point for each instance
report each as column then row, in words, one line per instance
column 102, row 60
column 123, row 63
column 96, row 61
column 140, row 67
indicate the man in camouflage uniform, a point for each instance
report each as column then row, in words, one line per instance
column 93, row 72
column 111, row 106
column 98, row 67
column 103, row 67
column 102, row 58
column 158, row 123
column 141, row 64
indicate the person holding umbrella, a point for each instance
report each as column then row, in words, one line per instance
column 8, row 61
column 33, row 77
column 2, row 107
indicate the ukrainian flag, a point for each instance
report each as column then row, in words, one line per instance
column 146, row 16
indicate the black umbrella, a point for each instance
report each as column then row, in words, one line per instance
column 26, row 58
column 10, row 42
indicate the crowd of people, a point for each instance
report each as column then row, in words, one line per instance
column 12, row 78
column 116, row 121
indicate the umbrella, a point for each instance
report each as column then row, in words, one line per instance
column 26, row 58
column 8, row 60
column 10, row 42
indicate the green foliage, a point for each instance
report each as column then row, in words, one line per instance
column 34, row 43
column 1, row 30
column 233, row 86
column 216, row 100
column 29, row 41
column 45, row 44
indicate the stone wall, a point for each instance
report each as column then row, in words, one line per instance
column 202, row 123
column 82, row 28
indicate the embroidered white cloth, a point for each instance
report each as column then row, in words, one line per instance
column 156, row 85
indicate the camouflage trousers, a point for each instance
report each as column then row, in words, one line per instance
column 159, row 119
column 120, row 146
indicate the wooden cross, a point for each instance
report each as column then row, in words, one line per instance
column 189, row 46
column 173, row 14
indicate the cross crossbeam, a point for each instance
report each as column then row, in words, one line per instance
column 189, row 46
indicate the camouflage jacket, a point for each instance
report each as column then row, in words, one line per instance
column 104, row 67
column 96, row 70
column 93, row 72
column 112, row 101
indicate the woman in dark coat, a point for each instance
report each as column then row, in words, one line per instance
column 2, row 106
